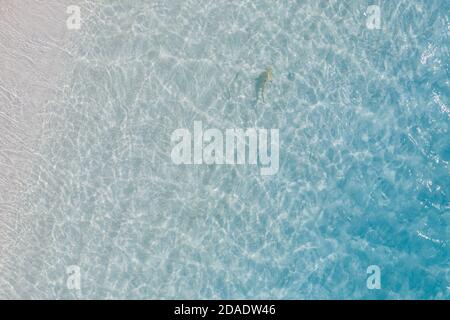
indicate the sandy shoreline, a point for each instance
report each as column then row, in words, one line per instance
column 32, row 37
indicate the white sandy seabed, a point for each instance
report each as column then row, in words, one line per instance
column 33, row 50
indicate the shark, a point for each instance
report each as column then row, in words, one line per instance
column 261, row 83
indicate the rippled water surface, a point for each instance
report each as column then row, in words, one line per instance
column 364, row 176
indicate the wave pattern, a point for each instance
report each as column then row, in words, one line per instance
column 364, row 156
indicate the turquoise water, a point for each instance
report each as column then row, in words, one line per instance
column 364, row 154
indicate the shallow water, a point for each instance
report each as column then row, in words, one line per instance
column 364, row 156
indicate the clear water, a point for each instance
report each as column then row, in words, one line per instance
column 364, row 159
